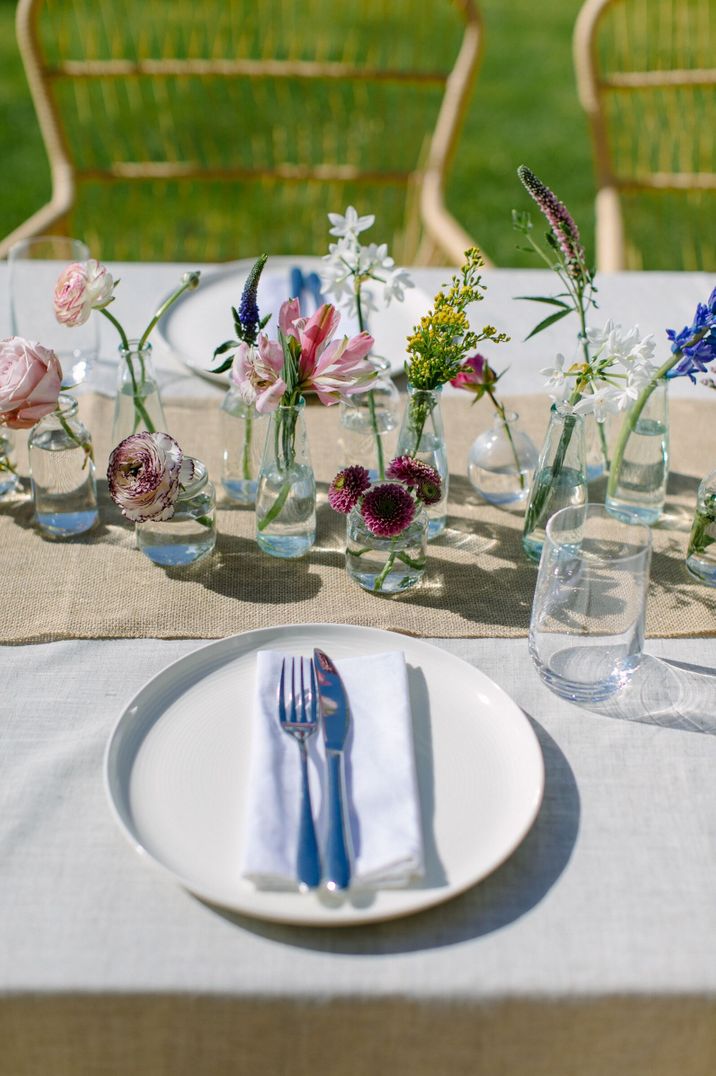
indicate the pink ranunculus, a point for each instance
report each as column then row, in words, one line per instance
column 81, row 288
column 333, row 369
column 30, row 381
column 145, row 474
column 256, row 372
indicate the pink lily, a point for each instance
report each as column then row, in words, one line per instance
column 333, row 369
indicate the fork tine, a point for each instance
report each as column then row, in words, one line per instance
column 314, row 697
column 293, row 690
column 302, row 716
column 281, row 702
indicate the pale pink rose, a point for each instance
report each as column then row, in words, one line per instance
column 145, row 474
column 81, row 288
column 256, row 372
column 30, row 380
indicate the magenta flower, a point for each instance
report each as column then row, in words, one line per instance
column 145, row 474
column 387, row 509
column 333, row 369
column 475, row 375
column 347, row 487
column 423, row 479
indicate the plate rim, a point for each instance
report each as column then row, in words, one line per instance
column 240, row 265
column 428, row 898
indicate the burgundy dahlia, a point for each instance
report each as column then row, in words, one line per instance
column 387, row 509
column 419, row 476
column 346, row 488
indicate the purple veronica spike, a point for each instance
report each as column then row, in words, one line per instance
column 559, row 218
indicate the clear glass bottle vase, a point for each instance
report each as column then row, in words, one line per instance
column 640, row 465
column 422, row 436
column 62, row 472
column 286, row 493
column 9, row 481
column 501, row 461
column 369, row 423
column 244, row 434
column 560, row 477
column 137, row 405
column 190, row 534
column 701, row 554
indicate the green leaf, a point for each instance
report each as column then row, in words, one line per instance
column 545, row 299
column 225, row 365
column 264, row 321
column 226, row 346
column 547, row 322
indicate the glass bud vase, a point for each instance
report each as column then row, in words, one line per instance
column 190, row 533
column 637, row 482
column 422, row 436
column 501, row 461
column 559, row 480
column 9, row 481
column 286, row 494
column 62, row 472
column 137, row 404
column 386, row 565
column 369, row 423
column 701, row 554
column 243, row 432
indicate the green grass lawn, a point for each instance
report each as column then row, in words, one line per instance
column 524, row 110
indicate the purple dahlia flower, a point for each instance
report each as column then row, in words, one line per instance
column 346, row 488
column 387, row 509
column 419, row 476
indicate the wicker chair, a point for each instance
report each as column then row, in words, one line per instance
column 646, row 78
column 213, row 130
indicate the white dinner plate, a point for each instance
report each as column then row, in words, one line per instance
column 201, row 320
column 176, row 772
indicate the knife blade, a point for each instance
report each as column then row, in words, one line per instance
column 335, row 722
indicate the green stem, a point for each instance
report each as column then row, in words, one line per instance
column 246, row 456
column 417, row 564
column 118, row 327
column 380, row 579
column 5, row 464
column 541, row 491
column 380, row 456
column 190, row 281
column 85, row 445
column 501, row 412
column 276, row 507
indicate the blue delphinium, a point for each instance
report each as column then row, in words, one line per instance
column 696, row 343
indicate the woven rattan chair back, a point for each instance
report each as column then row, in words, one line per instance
column 179, row 130
column 647, row 80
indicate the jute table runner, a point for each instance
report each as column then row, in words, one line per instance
column 478, row 582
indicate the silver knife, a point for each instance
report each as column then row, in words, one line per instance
column 333, row 708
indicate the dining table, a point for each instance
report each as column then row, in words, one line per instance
column 589, row 946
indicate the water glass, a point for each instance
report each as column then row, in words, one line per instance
column 587, row 628
column 35, row 264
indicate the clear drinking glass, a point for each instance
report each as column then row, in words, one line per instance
column 35, row 264
column 587, row 628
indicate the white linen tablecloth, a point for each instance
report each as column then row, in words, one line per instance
column 591, row 951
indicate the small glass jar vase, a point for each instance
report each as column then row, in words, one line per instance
column 640, row 467
column 701, row 554
column 190, row 534
column 137, row 405
column 244, row 433
column 501, row 461
column 286, row 494
column 386, row 565
column 62, row 472
column 9, row 481
column 369, row 423
column 559, row 479
column 422, row 436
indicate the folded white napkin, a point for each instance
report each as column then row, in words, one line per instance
column 381, row 785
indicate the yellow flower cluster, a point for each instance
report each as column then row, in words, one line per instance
column 441, row 341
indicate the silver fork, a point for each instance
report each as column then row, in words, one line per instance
column 298, row 715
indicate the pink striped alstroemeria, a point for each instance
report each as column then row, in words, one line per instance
column 333, row 369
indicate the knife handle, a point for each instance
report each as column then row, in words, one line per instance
column 338, row 864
